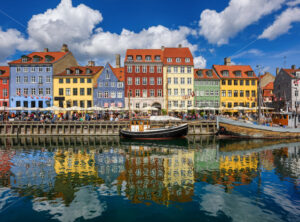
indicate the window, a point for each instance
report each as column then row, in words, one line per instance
column 33, row 79
column 159, row 81
column 89, row 80
column 89, row 103
column 241, row 93
column 101, row 84
column 253, row 83
column 241, row 82
column 247, row 82
column 137, row 93
column 159, row 69
column 151, row 81
column 229, row 93
column 182, row 69
column 169, row 59
column 253, row 104
column 175, row 80
column 144, row 105
column 137, row 69
column 235, row 93
column 253, row 94
column 89, row 91
column 189, row 81
column 182, row 80
column 120, row 94
column 18, row 79
column 18, row 92
column 169, row 92
column 175, row 92
column 120, row 84
column 144, row 80
column 229, row 105
column 82, row 91
column 18, row 69
column 41, row 91
column 60, row 91
column 169, row 69
column 25, row 69
column 216, row 92
column 144, row 93
column 107, row 76
column 223, row 82
column 175, row 103
column 187, row 59
column 32, row 69
column 189, row 69
column 247, row 93
column 235, row 104
column 48, row 91
column 137, row 81
column 225, row 73
column 61, row 81
column 169, row 80
column 75, row 103
column 182, row 103
column 182, row 92
column 25, row 91
column 229, row 82
column 75, row 91
column 138, row 57
column 224, row 93
column 82, row 103
column 189, row 92
column 206, row 92
column 4, row 81
column 77, row 71
column 113, row 84
column 40, row 79
column 151, row 69
column 137, row 105
column 25, row 79
column 18, row 103
column 48, row 69
column 75, row 80
column 68, row 91
column 178, row 60
column 99, row 94
column 175, row 69
column 238, row 73
column 48, row 79
column 4, row 92
column 159, row 93
column 40, row 69
column 190, row 103
column 235, row 82
column 82, row 80
column 144, row 69
column 169, row 104
column 129, row 81
column 250, row 73
column 113, row 94
column 129, row 69
column 151, row 92
column 130, row 58
column 148, row 58
column 68, row 80
column 106, row 94
column 212, row 92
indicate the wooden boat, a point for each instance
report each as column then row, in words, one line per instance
column 140, row 129
column 239, row 129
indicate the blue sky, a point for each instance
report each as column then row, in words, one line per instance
column 256, row 32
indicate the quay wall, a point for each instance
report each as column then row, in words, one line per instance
column 90, row 128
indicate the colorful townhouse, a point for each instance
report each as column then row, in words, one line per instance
column 74, row 86
column 144, row 78
column 207, row 88
column 179, row 76
column 238, row 85
column 31, row 77
column 4, row 86
column 109, row 89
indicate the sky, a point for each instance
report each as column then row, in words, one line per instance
column 261, row 33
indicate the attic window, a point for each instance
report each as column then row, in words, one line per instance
column 250, row 73
column 187, row 59
column 225, row 73
column 157, row 58
column 148, row 58
column 88, row 71
column 238, row 73
column 68, row 71
column 1, row 72
column 48, row 58
column 169, row 59
column 209, row 73
column 138, row 57
column 200, row 73
column 77, row 71
column 178, row 60
column 36, row 59
column 129, row 58
column 25, row 59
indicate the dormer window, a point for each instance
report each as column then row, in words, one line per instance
column 238, row 73
column 129, row 58
column 1, row 72
column 250, row 73
column 88, row 71
column 225, row 73
column 169, row 59
column 68, row 71
column 36, row 58
column 200, row 73
column 187, row 59
column 48, row 58
column 77, row 71
column 178, row 60
column 209, row 73
column 24, row 59
column 138, row 57
column 297, row 74
column 157, row 58
column 148, row 58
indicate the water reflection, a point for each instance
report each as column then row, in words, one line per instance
column 73, row 178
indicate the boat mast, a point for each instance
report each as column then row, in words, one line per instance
column 167, row 97
column 259, row 94
column 128, row 93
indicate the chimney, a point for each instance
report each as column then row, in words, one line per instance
column 46, row 50
column 227, row 61
column 162, row 48
column 64, row 48
column 179, row 46
column 118, row 60
column 277, row 71
column 91, row 63
column 293, row 66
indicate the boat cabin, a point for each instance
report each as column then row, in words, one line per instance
column 139, row 125
column 286, row 119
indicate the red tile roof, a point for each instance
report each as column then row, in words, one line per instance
column 181, row 53
column 144, row 53
column 5, row 71
column 119, row 72
column 56, row 56
column 232, row 68
column 269, row 86
column 291, row 71
column 204, row 74
column 83, row 71
column 267, row 93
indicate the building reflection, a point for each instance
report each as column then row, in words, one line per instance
column 5, row 167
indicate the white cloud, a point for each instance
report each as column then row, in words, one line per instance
column 293, row 3
column 79, row 28
column 250, row 52
column 199, row 62
column 218, row 28
column 282, row 24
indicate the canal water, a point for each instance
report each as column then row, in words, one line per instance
column 108, row 179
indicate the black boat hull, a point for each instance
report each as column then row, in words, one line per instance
column 173, row 132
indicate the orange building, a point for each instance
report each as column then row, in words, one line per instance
column 4, row 86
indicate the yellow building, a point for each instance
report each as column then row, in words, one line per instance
column 74, row 86
column 238, row 85
column 178, row 77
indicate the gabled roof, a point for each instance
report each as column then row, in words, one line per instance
column 5, row 71
column 119, row 72
column 83, row 71
column 144, row 53
column 174, row 53
column 291, row 72
column 56, row 56
column 269, row 86
column 204, row 74
column 232, row 68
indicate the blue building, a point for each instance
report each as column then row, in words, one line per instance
column 109, row 90
column 31, row 77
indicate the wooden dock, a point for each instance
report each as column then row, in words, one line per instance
column 89, row 128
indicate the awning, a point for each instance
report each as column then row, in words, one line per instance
column 120, row 105
column 106, row 105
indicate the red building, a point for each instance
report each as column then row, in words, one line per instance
column 4, row 86
column 267, row 92
column 144, row 78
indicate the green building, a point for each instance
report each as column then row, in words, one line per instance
column 207, row 89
